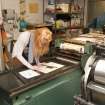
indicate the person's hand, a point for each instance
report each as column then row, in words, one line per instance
column 38, row 66
column 35, row 67
column 41, row 64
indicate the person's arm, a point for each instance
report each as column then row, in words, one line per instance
column 37, row 60
column 19, row 46
column 23, row 61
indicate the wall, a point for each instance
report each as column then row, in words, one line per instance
column 10, row 4
column 45, row 4
column 33, row 18
column 0, row 9
column 95, row 8
column 1, row 48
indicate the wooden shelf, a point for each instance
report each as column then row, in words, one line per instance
column 76, row 27
column 70, row 13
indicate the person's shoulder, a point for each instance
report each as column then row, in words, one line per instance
column 24, row 35
column 25, row 32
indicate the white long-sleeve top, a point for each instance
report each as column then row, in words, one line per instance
column 20, row 45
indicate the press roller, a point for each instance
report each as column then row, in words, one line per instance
column 73, row 47
column 93, row 80
column 99, row 73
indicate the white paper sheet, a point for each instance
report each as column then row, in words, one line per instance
column 28, row 74
column 50, row 66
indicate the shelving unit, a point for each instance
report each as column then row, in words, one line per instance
column 77, row 16
column 66, row 16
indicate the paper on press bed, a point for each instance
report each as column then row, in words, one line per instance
column 49, row 67
column 28, row 74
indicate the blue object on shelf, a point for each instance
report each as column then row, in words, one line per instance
column 23, row 25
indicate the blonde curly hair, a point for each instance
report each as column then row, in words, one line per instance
column 42, row 39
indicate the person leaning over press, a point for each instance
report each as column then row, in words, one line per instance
column 39, row 40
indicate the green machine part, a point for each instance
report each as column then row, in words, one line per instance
column 88, row 51
column 58, row 42
column 59, row 91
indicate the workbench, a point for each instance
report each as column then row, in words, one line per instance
column 55, row 88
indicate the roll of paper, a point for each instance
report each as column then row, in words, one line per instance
column 74, row 47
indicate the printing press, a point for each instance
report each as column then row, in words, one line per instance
column 92, row 64
column 55, row 84
column 92, row 82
